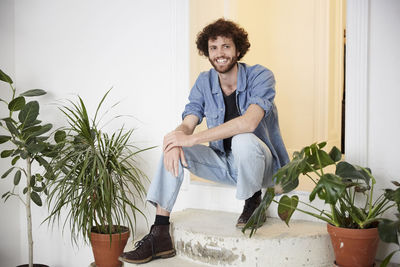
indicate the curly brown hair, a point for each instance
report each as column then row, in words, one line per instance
column 224, row 28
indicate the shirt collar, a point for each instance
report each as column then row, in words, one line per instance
column 241, row 79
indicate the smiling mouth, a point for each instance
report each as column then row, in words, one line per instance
column 222, row 60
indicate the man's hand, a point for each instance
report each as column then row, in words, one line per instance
column 171, row 160
column 177, row 138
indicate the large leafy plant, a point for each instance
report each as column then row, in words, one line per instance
column 342, row 191
column 26, row 142
column 389, row 230
column 97, row 177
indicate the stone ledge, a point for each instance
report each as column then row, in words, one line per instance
column 211, row 237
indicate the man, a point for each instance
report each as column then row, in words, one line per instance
column 246, row 146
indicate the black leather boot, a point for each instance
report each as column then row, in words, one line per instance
column 157, row 244
column 249, row 207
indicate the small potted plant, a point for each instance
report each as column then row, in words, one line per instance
column 342, row 192
column 389, row 230
column 26, row 143
column 97, row 180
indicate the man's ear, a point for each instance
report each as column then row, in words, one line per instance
column 237, row 54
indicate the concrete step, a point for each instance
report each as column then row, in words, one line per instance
column 176, row 261
column 211, row 238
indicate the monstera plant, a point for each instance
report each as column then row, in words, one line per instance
column 342, row 191
column 25, row 142
column 389, row 230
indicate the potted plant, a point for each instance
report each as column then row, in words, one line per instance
column 26, row 143
column 348, row 192
column 98, row 181
column 389, row 230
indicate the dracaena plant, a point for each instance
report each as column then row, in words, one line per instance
column 389, row 230
column 25, row 140
column 342, row 190
column 97, row 177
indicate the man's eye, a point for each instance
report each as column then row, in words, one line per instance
column 227, row 46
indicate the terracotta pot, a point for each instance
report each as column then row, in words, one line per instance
column 354, row 247
column 106, row 255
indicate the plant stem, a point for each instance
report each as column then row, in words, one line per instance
column 334, row 217
column 28, row 211
column 13, row 96
column 315, row 171
column 319, row 163
column 309, row 176
column 309, row 213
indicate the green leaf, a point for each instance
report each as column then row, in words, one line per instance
column 43, row 129
column 14, row 160
column 5, row 78
column 36, row 198
column 17, row 177
column 386, row 261
column 393, row 195
column 286, row 207
column 39, row 178
column 319, row 158
column 26, row 131
column 329, row 188
column 29, row 113
column 321, row 145
column 4, row 138
column 347, row 170
column 259, row 212
column 30, row 124
column 16, row 104
column 24, row 154
column 33, row 92
column 335, row 154
column 19, row 144
column 25, row 190
column 60, row 136
column 38, row 189
column 396, row 183
column 32, row 181
column 34, row 148
column 7, row 172
column 10, row 126
column 287, row 177
column 42, row 161
column 6, row 153
column 42, row 138
column 388, row 231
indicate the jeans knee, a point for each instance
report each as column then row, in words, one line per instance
column 244, row 143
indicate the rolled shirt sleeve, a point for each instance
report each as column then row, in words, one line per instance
column 196, row 102
column 262, row 90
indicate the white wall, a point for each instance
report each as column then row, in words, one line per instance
column 9, row 215
column 86, row 47
column 384, row 97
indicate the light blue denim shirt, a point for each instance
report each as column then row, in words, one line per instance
column 255, row 85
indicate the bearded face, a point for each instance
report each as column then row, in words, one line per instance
column 222, row 54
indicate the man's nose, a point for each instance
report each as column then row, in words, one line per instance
column 220, row 52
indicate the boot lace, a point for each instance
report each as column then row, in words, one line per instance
column 144, row 239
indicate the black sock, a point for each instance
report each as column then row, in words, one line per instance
column 161, row 220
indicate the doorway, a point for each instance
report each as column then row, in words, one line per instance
column 302, row 42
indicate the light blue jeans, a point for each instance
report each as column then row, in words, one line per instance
column 248, row 167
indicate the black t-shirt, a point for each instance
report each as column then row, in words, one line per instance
column 231, row 112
